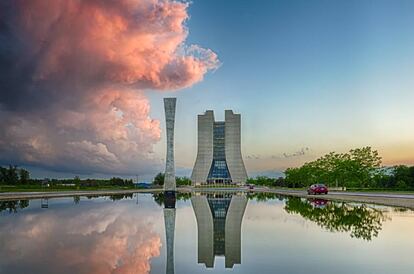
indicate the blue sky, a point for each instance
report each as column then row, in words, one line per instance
column 323, row 75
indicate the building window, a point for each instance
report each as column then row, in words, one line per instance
column 219, row 172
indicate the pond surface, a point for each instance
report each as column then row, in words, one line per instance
column 204, row 233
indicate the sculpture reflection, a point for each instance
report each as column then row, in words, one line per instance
column 169, row 221
column 360, row 220
column 219, row 218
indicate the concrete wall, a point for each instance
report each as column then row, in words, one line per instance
column 169, row 179
column 205, row 229
column 204, row 149
column 233, row 147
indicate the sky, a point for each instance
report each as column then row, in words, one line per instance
column 307, row 77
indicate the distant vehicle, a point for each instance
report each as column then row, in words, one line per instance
column 317, row 189
column 251, row 186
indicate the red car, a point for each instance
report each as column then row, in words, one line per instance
column 318, row 203
column 317, row 189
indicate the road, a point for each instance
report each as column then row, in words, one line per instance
column 340, row 193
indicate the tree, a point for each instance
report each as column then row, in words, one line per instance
column 262, row 181
column 403, row 176
column 9, row 175
column 77, row 181
column 24, row 176
column 365, row 162
column 182, row 181
column 3, row 175
column 116, row 181
column 159, row 179
column 358, row 167
column 280, row 182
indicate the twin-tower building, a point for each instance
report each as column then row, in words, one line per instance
column 219, row 159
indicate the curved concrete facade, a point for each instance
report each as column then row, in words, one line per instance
column 231, row 156
column 233, row 230
column 205, row 148
column 209, row 224
column 233, row 147
column 205, row 228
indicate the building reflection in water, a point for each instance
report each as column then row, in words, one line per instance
column 44, row 203
column 219, row 218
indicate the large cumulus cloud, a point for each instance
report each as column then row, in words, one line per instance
column 72, row 75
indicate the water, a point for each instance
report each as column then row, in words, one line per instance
column 217, row 233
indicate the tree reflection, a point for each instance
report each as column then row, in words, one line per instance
column 159, row 197
column 361, row 221
column 13, row 206
column 122, row 196
column 264, row 196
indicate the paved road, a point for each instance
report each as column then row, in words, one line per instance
column 382, row 195
column 341, row 193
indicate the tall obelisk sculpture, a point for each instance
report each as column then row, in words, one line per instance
column 169, row 179
column 169, row 184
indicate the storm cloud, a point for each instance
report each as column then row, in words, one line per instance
column 72, row 77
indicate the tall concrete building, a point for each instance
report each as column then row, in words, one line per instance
column 219, row 159
column 219, row 219
column 169, row 179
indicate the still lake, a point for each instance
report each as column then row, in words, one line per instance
column 204, row 233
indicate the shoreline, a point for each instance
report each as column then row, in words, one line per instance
column 386, row 199
column 7, row 196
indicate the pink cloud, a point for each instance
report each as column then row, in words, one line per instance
column 77, row 76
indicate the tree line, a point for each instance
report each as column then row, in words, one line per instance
column 180, row 181
column 358, row 168
column 15, row 176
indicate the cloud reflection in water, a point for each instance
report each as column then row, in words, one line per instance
column 103, row 239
